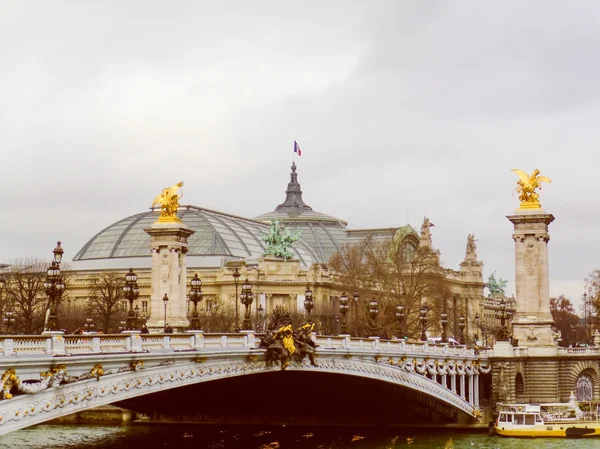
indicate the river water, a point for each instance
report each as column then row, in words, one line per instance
column 239, row 437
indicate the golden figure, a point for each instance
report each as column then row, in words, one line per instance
column 168, row 200
column 526, row 186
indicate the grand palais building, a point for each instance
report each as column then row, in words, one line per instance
column 223, row 242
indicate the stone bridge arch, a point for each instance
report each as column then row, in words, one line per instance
column 29, row 409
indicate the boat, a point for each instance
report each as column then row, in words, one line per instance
column 551, row 420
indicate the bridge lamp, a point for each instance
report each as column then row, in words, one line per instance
column 165, row 301
column 54, row 287
column 344, row 310
column 309, row 302
column 2, row 283
column 195, row 296
column 131, row 292
column 356, row 297
column 9, row 322
column 88, row 325
column 503, row 315
column 444, row 323
column 423, row 319
column 236, row 276
column 247, row 298
column 373, row 312
column 400, row 315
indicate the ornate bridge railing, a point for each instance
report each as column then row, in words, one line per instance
column 51, row 376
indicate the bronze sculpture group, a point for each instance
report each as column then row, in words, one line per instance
column 286, row 345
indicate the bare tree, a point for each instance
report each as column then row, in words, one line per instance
column 394, row 273
column 104, row 302
column 25, row 296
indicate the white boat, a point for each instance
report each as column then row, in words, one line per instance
column 551, row 420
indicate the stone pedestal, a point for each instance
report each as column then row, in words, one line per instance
column 169, row 244
column 532, row 322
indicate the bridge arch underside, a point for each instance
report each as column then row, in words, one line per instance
column 377, row 393
column 296, row 397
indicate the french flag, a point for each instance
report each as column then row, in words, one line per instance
column 297, row 148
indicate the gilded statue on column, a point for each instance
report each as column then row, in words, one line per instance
column 526, row 187
column 168, row 200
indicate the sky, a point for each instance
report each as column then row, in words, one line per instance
column 403, row 109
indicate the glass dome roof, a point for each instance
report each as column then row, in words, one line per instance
column 216, row 233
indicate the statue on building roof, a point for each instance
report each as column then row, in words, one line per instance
column 471, row 252
column 168, row 200
column 279, row 240
column 426, row 231
column 526, row 187
column 496, row 286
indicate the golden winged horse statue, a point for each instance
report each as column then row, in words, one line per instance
column 526, row 186
column 168, row 200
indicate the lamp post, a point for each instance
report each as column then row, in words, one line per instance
column 373, row 312
column 247, row 298
column 344, row 310
column 9, row 322
column 195, row 296
column 131, row 291
column 400, row 315
column 309, row 302
column 461, row 328
column 2, row 283
column 54, row 287
column 89, row 325
column 356, row 297
column 444, row 323
column 122, row 325
column 477, row 327
column 236, row 276
column 165, row 301
column 503, row 315
column 423, row 320
column 259, row 314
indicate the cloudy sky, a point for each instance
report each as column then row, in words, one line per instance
column 400, row 107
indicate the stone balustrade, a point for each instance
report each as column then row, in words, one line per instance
column 31, row 345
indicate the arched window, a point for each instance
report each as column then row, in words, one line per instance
column 519, row 387
column 408, row 252
column 585, row 388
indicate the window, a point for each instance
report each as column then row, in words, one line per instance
column 529, row 420
column 145, row 307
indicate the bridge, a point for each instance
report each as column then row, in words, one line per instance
column 49, row 376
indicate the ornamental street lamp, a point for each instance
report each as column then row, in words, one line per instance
column 477, row 327
column 344, row 310
column 356, row 297
column 461, row 328
column 423, row 320
column 236, row 276
column 54, row 287
column 9, row 322
column 444, row 323
column 309, row 302
column 88, row 325
column 373, row 312
column 131, row 291
column 503, row 315
column 165, row 301
column 195, row 296
column 2, row 283
column 121, row 325
column 247, row 298
column 400, row 315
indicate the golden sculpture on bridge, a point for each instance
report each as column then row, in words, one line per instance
column 168, row 200
column 526, row 187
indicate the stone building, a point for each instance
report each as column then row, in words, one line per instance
column 222, row 243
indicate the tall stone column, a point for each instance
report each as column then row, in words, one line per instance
column 169, row 243
column 532, row 322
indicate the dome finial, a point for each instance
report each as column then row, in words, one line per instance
column 293, row 193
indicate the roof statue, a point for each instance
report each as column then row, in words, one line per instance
column 426, row 231
column 526, row 186
column 168, row 200
column 279, row 240
column 471, row 252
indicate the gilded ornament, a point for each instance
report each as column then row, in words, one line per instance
column 526, row 187
column 168, row 200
